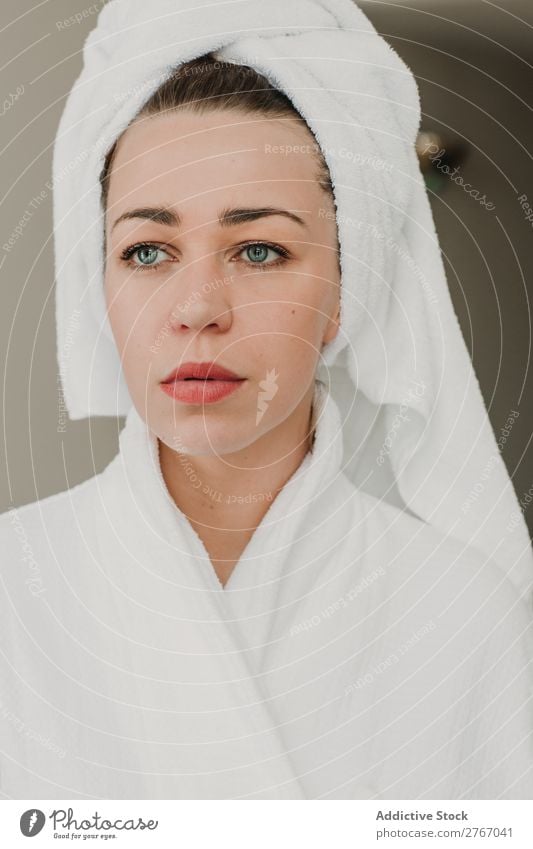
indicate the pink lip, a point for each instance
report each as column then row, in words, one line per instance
column 200, row 383
column 201, row 391
column 201, row 371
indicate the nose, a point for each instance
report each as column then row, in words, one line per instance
column 203, row 300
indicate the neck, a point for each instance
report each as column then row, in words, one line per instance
column 209, row 484
column 225, row 497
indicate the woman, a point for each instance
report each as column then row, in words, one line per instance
column 272, row 591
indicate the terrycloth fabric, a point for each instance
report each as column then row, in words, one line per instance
column 416, row 431
column 354, row 652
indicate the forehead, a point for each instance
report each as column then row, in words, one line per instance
column 182, row 155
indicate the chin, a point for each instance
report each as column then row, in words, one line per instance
column 202, row 438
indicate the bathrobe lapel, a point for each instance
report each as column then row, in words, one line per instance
column 308, row 552
column 290, row 544
column 185, row 647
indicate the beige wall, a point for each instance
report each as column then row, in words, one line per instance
column 468, row 84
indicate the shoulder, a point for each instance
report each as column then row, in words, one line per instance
column 47, row 516
column 443, row 572
column 40, row 543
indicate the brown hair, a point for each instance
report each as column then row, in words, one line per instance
column 202, row 86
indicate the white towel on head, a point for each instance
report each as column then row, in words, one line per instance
column 416, row 429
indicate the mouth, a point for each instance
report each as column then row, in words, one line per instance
column 201, row 383
column 201, row 372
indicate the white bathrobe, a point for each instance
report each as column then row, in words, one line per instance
column 354, row 652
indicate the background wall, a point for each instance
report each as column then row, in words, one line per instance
column 474, row 65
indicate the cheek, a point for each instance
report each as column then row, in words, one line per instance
column 132, row 318
column 292, row 336
column 301, row 318
column 134, row 329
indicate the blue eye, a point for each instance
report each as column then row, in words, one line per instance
column 145, row 255
column 148, row 256
column 257, row 253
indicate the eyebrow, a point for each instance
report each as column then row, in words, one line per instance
column 230, row 217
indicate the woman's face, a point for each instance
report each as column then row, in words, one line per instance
column 197, row 271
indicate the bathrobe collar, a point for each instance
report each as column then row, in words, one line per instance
column 264, row 555
column 168, row 601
